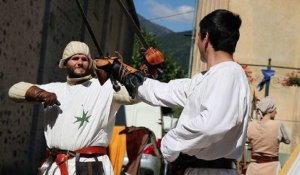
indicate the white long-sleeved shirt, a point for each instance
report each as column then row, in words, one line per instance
column 214, row 119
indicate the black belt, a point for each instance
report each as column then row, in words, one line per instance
column 185, row 161
column 221, row 163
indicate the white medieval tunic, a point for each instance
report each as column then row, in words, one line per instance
column 214, row 119
column 86, row 117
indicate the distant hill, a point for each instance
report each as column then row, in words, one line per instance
column 153, row 28
column 177, row 45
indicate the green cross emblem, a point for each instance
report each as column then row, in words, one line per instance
column 84, row 118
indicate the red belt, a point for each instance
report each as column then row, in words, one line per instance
column 61, row 156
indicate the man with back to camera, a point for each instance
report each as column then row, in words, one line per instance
column 211, row 132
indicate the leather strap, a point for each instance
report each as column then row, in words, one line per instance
column 264, row 159
column 61, row 160
column 92, row 150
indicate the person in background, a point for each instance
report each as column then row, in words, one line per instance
column 264, row 137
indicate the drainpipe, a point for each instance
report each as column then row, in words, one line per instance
column 193, row 39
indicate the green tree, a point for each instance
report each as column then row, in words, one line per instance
column 171, row 70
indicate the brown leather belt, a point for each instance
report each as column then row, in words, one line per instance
column 264, row 159
column 61, row 156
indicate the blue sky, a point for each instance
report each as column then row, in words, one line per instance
column 177, row 15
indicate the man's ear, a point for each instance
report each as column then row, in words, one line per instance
column 66, row 62
column 206, row 40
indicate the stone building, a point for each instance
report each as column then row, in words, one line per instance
column 33, row 36
column 269, row 31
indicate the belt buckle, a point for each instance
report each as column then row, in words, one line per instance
column 234, row 165
column 71, row 153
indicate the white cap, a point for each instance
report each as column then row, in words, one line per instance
column 266, row 105
column 73, row 48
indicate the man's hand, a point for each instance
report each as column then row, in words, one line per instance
column 132, row 82
column 126, row 75
column 37, row 94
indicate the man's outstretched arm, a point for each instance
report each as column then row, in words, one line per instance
column 24, row 91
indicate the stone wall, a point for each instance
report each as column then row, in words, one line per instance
column 33, row 36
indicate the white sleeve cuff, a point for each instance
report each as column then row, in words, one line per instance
column 122, row 97
column 18, row 90
column 168, row 146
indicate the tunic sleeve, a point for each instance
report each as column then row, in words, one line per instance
column 283, row 137
column 122, row 97
column 17, row 91
column 172, row 94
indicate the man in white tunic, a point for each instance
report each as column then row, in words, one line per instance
column 79, row 115
column 211, row 132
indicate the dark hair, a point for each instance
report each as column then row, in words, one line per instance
column 223, row 29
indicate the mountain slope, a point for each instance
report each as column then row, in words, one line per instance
column 176, row 45
column 153, row 28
